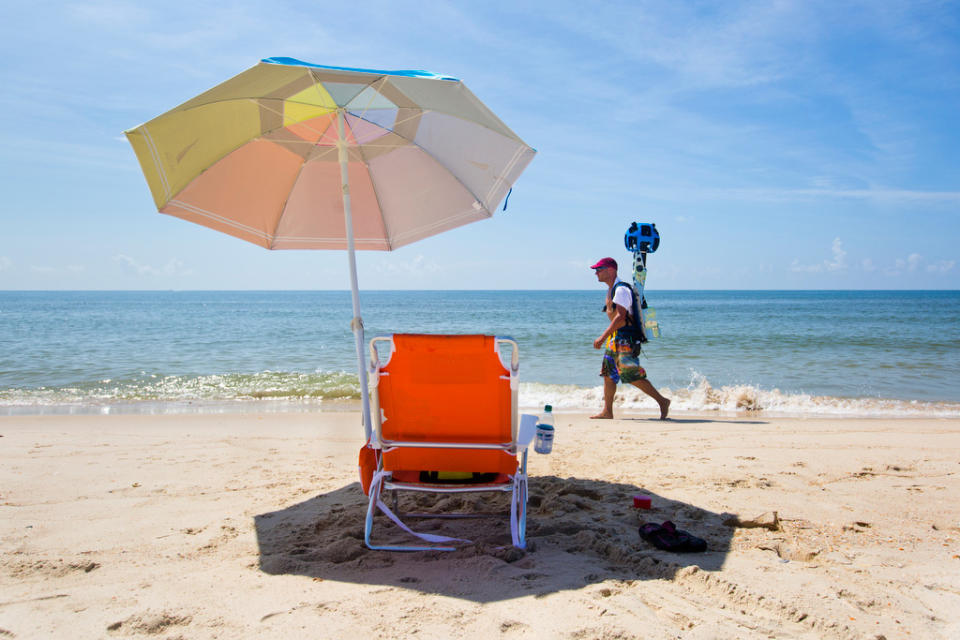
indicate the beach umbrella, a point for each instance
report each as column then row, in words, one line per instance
column 293, row 155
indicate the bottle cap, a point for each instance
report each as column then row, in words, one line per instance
column 548, row 407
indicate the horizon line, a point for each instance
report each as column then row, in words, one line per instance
column 596, row 289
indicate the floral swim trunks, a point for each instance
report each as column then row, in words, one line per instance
column 619, row 363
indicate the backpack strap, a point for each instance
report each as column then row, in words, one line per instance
column 634, row 315
column 634, row 312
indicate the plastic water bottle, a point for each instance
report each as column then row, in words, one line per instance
column 544, row 439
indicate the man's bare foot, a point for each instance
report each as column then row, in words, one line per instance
column 664, row 408
column 603, row 415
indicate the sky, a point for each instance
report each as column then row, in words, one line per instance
column 775, row 144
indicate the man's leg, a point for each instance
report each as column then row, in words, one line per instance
column 609, row 391
column 644, row 385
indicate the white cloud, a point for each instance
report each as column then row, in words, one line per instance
column 942, row 266
column 916, row 262
column 867, row 265
column 796, row 267
column 173, row 268
column 911, row 263
column 728, row 47
column 418, row 266
column 837, row 263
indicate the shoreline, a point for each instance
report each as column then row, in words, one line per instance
column 737, row 403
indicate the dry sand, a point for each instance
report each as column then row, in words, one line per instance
column 250, row 526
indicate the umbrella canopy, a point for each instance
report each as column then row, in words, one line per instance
column 292, row 155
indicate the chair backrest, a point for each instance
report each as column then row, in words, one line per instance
column 446, row 388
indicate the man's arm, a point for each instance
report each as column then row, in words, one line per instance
column 618, row 319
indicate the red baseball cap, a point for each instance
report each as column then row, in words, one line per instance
column 605, row 262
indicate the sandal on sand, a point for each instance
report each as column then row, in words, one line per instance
column 669, row 538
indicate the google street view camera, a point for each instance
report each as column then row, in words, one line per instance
column 640, row 239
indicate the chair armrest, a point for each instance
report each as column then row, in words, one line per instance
column 528, row 429
column 418, row 444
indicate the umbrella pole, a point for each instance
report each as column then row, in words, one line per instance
column 356, row 324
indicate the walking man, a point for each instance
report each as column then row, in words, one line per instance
column 620, row 363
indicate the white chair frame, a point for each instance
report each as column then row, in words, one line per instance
column 522, row 433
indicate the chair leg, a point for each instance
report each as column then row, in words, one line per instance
column 375, row 486
column 518, row 511
column 523, row 515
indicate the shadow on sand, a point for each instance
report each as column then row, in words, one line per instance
column 579, row 532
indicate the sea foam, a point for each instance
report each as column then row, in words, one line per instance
column 701, row 397
column 325, row 390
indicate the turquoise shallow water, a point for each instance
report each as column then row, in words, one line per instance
column 857, row 352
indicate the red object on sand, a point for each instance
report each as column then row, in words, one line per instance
column 641, row 502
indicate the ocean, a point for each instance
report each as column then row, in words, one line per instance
column 841, row 353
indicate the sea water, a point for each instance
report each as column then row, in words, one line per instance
column 858, row 353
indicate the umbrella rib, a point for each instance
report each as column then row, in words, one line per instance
column 283, row 210
column 435, row 224
column 309, row 128
column 383, row 80
column 270, row 238
column 218, row 218
column 155, row 154
column 320, row 134
column 375, row 242
column 283, row 125
column 376, row 194
column 262, row 234
column 506, row 171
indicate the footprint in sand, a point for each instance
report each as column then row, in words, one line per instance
column 53, row 568
column 899, row 467
column 511, row 626
column 151, row 623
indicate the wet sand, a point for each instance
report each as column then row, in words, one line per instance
column 250, row 526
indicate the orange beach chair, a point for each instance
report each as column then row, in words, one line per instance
column 444, row 413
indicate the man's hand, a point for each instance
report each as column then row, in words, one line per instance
column 598, row 343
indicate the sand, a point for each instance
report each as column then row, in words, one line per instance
column 250, row 526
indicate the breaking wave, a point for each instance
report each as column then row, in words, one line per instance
column 324, row 390
column 154, row 390
column 701, row 397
